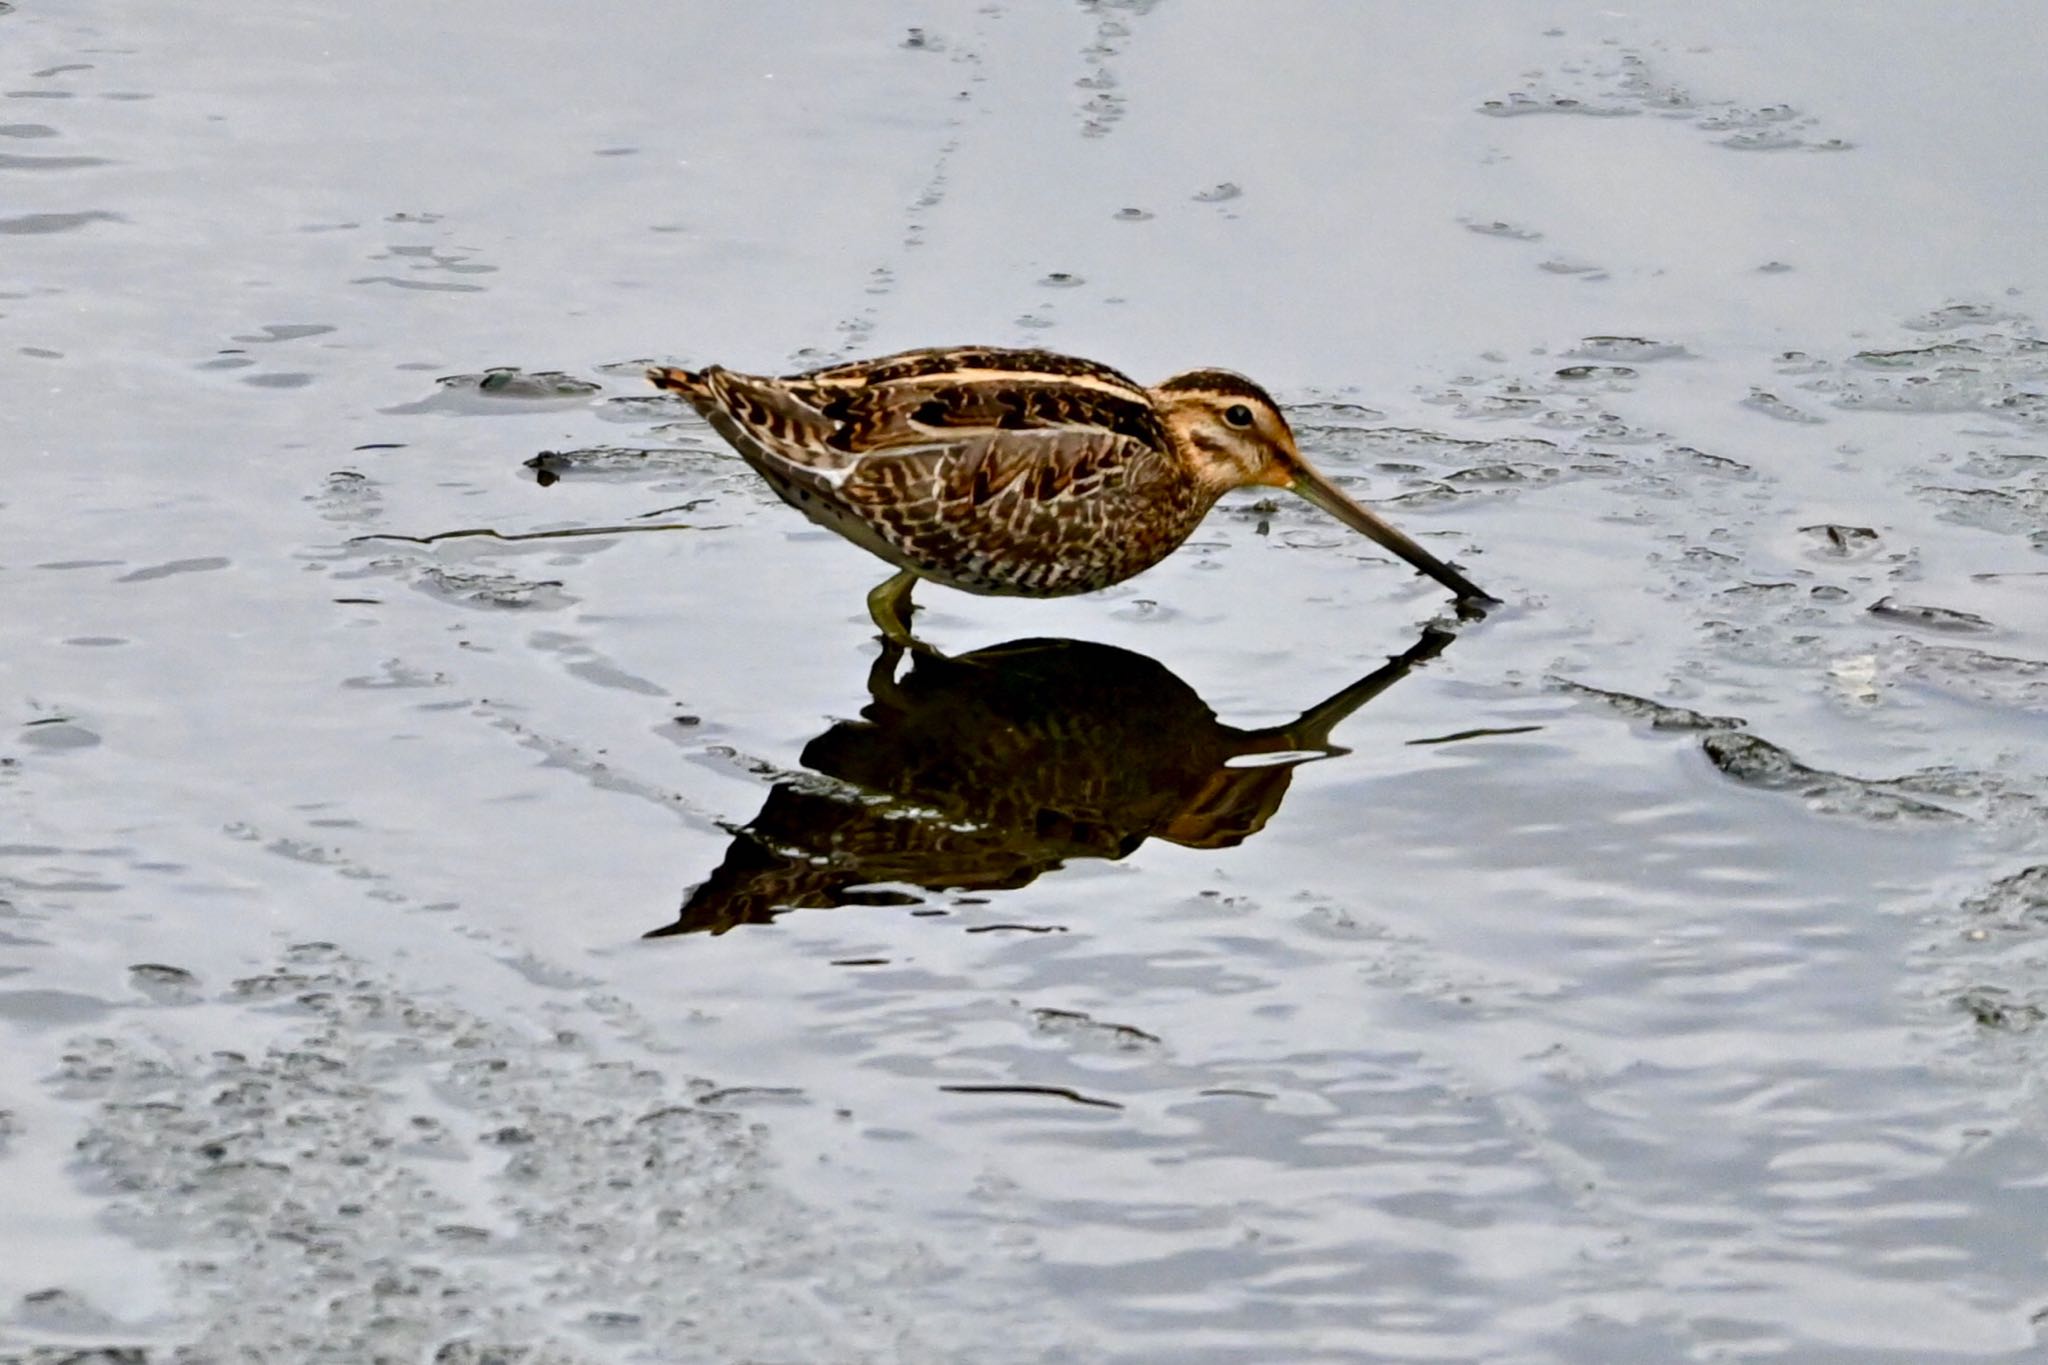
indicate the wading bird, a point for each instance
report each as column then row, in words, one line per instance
column 1016, row 472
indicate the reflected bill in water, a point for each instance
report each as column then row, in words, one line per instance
column 979, row 772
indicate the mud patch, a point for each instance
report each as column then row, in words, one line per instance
column 386, row 1176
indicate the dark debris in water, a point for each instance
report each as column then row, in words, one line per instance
column 1994, row 1008
column 1758, row 763
column 1842, row 541
column 1929, row 617
column 2017, row 901
column 1659, row 715
column 1053, row 1091
column 552, row 465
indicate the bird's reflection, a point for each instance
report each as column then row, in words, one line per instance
column 980, row 772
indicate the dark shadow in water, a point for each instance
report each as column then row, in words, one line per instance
column 980, row 772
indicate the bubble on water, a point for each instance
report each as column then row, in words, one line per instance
column 1771, row 405
column 1500, row 227
column 1500, row 473
column 1997, row 679
column 2002, row 373
column 1519, row 102
column 57, row 734
column 1610, row 86
column 1717, row 464
column 1427, row 493
column 2009, row 511
column 1995, row 1008
column 1855, row 677
column 165, row 984
column 483, row 588
column 1102, row 111
column 2018, row 900
column 1967, row 314
column 635, row 369
column 502, row 388
column 1084, row 1030
column 613, row 461
column 1762, row 140
column 348, row 495
column 1627, row 350
column 1312, row 414
column 1914, row 357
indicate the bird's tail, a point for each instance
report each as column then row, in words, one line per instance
column 688, row 383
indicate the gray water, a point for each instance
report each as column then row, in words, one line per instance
column 1652, row 971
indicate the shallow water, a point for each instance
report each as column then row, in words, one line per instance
column 1648, row 972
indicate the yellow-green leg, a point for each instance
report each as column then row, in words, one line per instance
column 890, row 605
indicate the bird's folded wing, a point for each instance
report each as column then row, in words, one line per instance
column 1017, row 468
column 1003, row 426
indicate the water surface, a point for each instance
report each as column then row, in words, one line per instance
column 1248, row 963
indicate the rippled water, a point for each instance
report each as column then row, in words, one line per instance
column 418, row 730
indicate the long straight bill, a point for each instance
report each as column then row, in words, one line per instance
column 1311, row 484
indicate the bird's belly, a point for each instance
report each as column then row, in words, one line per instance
column 1062, row 551
column 1012, row 547
column 821, row 506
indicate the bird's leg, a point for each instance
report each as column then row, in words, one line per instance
column 882, row 674
column 890, row 605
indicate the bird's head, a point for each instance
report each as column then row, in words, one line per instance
column 1233, row 435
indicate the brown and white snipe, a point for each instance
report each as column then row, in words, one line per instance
column 1018, row 472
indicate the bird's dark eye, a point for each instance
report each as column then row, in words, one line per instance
column 1238, row 415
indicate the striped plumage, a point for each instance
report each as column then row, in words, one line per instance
column 1007, row 471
